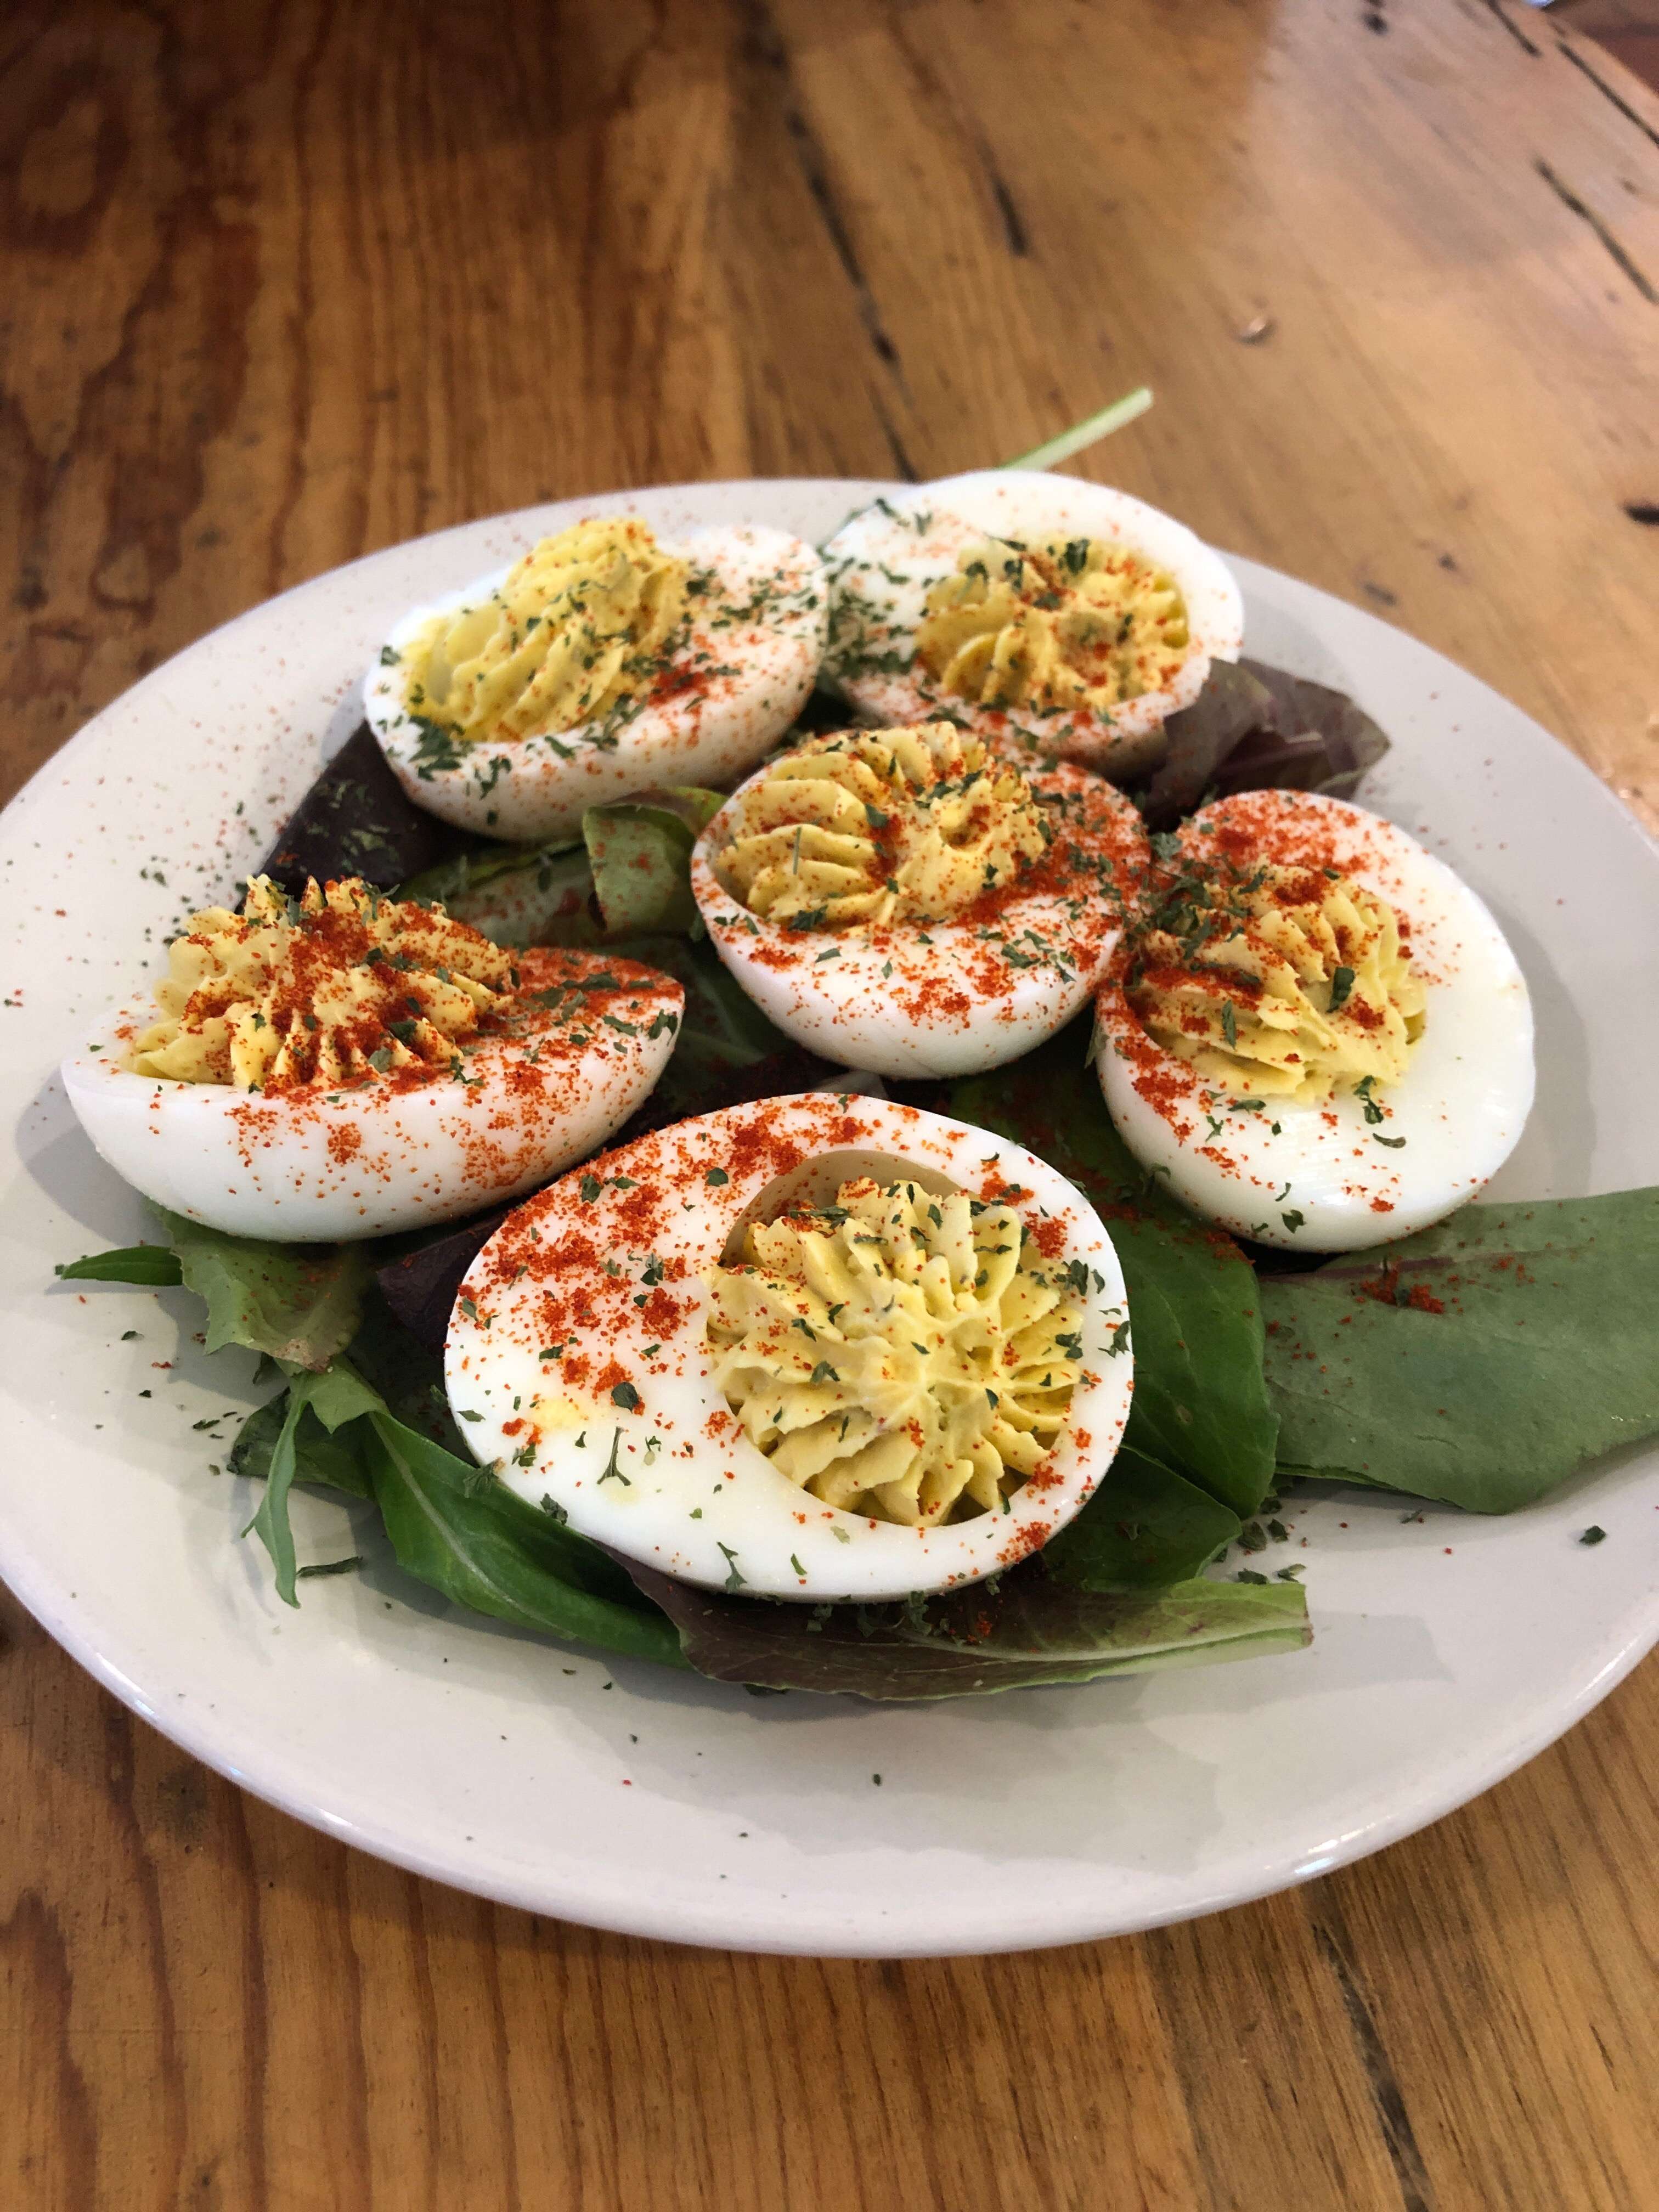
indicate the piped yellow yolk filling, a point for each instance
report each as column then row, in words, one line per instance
column 1069, row 622
column 1292, row 983
column 579, row 626
column 897, row 1354
column 339, row 987
column 869, row 825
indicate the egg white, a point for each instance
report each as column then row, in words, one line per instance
column 882, row 562
column 1460, row 1107
column 933, row 999
column 700, row 1502
column 537, row 788
column 317, row 1167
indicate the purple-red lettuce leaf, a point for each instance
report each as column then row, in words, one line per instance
column 1025, row 1630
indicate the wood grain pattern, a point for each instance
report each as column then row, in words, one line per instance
column 283, row 284
column 1626, row 29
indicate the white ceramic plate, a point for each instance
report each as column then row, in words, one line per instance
column 1448, row 1649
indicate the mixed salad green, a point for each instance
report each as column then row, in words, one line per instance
column 1478, row 1363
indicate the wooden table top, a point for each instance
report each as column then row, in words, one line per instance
column 282, row 286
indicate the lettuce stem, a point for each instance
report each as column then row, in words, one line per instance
column 1089, row 432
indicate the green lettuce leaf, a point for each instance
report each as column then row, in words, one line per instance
column 405, row 1379
column 297, row 1303
column 1029, row 1630
column 1201, row 1403
column 628, row 872
column 640, row 851
column 1480, row 1362
column 1145, row 1529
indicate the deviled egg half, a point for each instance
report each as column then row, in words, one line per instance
column 1315, row 1032
column 821, row 1348
column 1049, row 615
column 905, row 901
column 345, row 1064
column 603, row 662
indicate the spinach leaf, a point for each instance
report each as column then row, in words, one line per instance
column 640, row 851
column 1145, row 1529
column 330, row 1460
column 272, row 1521
column 1029, row 1630
column 475, row 1541
column 404, row 1377
column 155, row 1265
column 335, row 1398
column 297, row 1303
column 1201, row 1404
column 1481, row 1361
